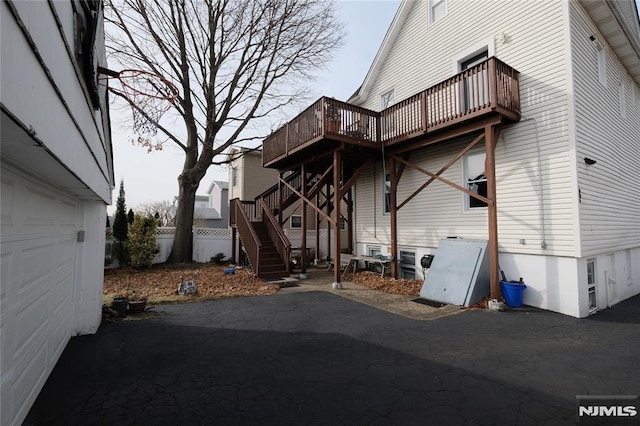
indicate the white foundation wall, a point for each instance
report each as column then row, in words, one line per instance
column 553, row 282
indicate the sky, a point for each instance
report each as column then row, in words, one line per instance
column 150, row 177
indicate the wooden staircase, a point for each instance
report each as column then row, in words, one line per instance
column 271, row 263
column 261, row 234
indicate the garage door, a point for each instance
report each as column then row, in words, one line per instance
column 38, row 253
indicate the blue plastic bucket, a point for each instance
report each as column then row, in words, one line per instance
column 512, row 292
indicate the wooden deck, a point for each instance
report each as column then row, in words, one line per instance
column 489, row 89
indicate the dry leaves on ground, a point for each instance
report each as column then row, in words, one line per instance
column 389, row 285
column 160, row 283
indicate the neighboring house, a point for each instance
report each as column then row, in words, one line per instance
column 248, row 179
column 210, row 211
column 57, row 179
column 219, row 200
column 513, row 123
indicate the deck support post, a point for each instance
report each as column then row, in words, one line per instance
column 234, row 255
column 280, row 198
column 317, row 220
column 328, row 203
column 337, row 168
column 393, row 212
column 303, row 241
column 490, row 137
column 350, row 220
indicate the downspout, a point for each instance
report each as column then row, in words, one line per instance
column 375, row 202
column 543, row 230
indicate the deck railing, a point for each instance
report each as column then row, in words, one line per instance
column 280, row 240
column 488, row 86
column 240, row 213
column 273, row 198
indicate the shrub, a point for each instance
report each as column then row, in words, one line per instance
column 142, row 245
column 218, row 258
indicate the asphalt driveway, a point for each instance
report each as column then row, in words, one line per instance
column 318, row 358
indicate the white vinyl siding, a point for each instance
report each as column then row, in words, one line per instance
column 24, row 80
column 252, row 179
column 609, row 218
column 534, row 46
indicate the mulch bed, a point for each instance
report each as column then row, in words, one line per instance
column 160, row 283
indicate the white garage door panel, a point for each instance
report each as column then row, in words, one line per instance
column 39, row 250
column 31, row 379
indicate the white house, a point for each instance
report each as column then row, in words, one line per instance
column 212, row 210
column 566, row 173
column 57, row 179
column 512, row 122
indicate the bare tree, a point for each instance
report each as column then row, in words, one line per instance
column 164, row 209
column 236, row 63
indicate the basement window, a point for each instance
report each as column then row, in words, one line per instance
column 296, row 221
column 591, row 284
column 374, row 251
column 407, row 264
column 475, row 180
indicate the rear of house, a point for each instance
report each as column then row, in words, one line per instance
column 605, row 55
column 57, row 179
column 565, row 226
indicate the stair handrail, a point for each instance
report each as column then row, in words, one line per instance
column 274, row 187
column 252, row 243
column 279, row 238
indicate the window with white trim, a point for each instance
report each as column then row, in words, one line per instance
column 387, row 122
column 407, row 264
column 622, row 98
column 602, row 65
column 295, row 222
column 475, row 179
column 234, row 176
column 591, row 284
column 387, row 99
column 343, row 223
column 437, row 10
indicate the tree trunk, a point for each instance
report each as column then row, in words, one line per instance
column 182, row 249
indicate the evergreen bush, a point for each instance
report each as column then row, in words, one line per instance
column 142, row 245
